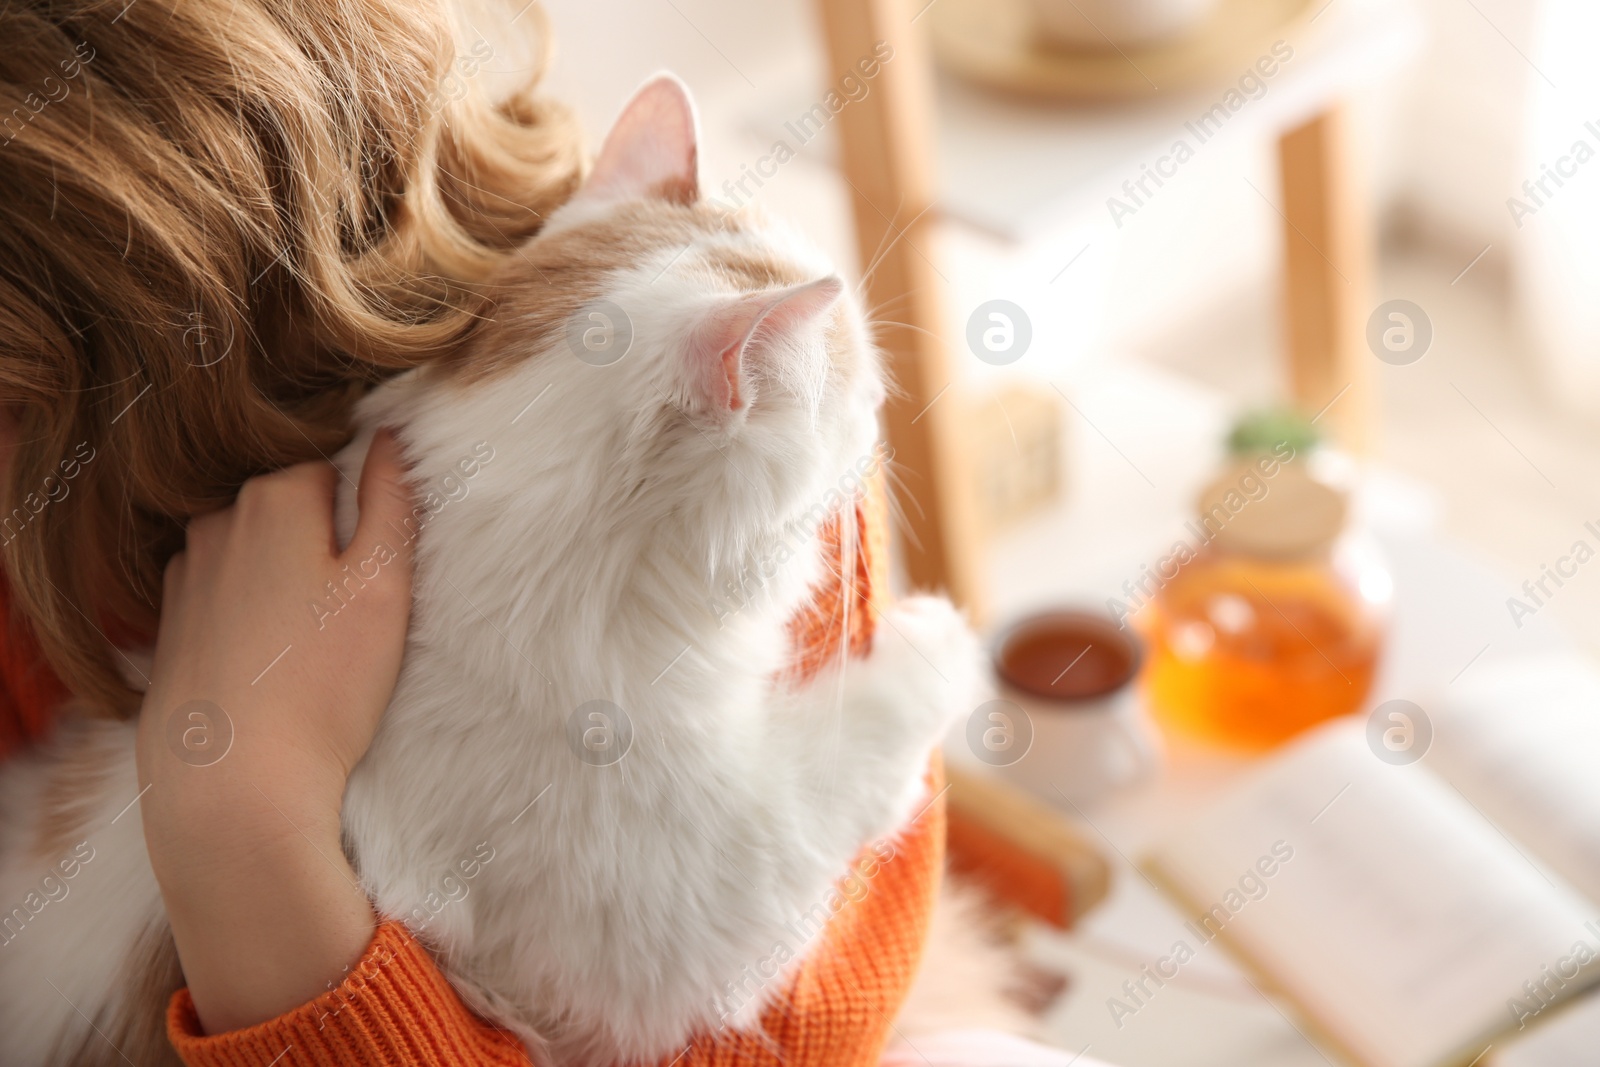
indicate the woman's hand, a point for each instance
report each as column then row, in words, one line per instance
column 276, row 657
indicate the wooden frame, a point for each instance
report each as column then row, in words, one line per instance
column 1327, row 268
column 886, row 158
column 886, row 154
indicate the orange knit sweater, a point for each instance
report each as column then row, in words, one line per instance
column 395, row 1009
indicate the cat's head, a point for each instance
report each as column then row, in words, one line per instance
column 657, row 361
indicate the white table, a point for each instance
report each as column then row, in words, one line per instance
column 1450, row 618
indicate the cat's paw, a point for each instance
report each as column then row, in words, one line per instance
column 927, row 663
column 868, row 730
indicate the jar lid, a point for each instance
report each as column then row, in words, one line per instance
column 1288, row 515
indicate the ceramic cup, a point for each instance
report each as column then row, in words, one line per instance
column 1067, row 723
column 1096, row 24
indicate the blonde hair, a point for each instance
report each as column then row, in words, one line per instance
column 221, row 222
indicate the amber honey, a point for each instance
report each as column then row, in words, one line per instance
column 1249, row 652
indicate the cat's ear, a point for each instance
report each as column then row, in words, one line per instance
column 742, row 329
column 652, row 151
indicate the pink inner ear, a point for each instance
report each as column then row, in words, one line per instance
column 652, row 150
column 733, row 331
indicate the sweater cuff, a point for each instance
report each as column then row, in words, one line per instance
column 394, row 1008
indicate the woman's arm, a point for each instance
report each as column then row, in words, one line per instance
column 266, row 912
column 395, row 1008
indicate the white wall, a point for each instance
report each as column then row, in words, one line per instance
column 1445, row 143
column 1556, row 247
column 1447, row 135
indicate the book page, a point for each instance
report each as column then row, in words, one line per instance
column 1571, row 1036
column 1400, row 922
column 1521, row 741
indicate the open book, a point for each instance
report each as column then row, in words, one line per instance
column 1439, row 913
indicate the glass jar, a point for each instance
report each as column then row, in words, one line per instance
column 1248, row 651
column 1276, row 620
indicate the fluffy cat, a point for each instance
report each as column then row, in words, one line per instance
column 666, row 393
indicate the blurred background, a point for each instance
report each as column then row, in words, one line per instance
column 1453, row 107
column 1383, row 215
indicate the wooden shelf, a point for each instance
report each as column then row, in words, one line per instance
column 1026, row 171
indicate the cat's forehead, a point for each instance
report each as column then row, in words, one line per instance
column 554, row 276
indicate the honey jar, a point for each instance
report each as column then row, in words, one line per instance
column 1276, row 621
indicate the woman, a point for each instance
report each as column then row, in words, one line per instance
column 222, row 221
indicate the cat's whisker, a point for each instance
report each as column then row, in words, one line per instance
column 906, row 326
column 897, row 505
column 882, row 308
column 899, row 233
column 872, row 265
column 885, row 244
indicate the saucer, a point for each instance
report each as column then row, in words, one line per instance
column 996, row 43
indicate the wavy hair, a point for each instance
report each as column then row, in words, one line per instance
column 220, row 222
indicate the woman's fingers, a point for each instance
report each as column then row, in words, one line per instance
column 287, row 514
column 385, row 503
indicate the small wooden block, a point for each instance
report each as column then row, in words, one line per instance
column 1013, row 435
